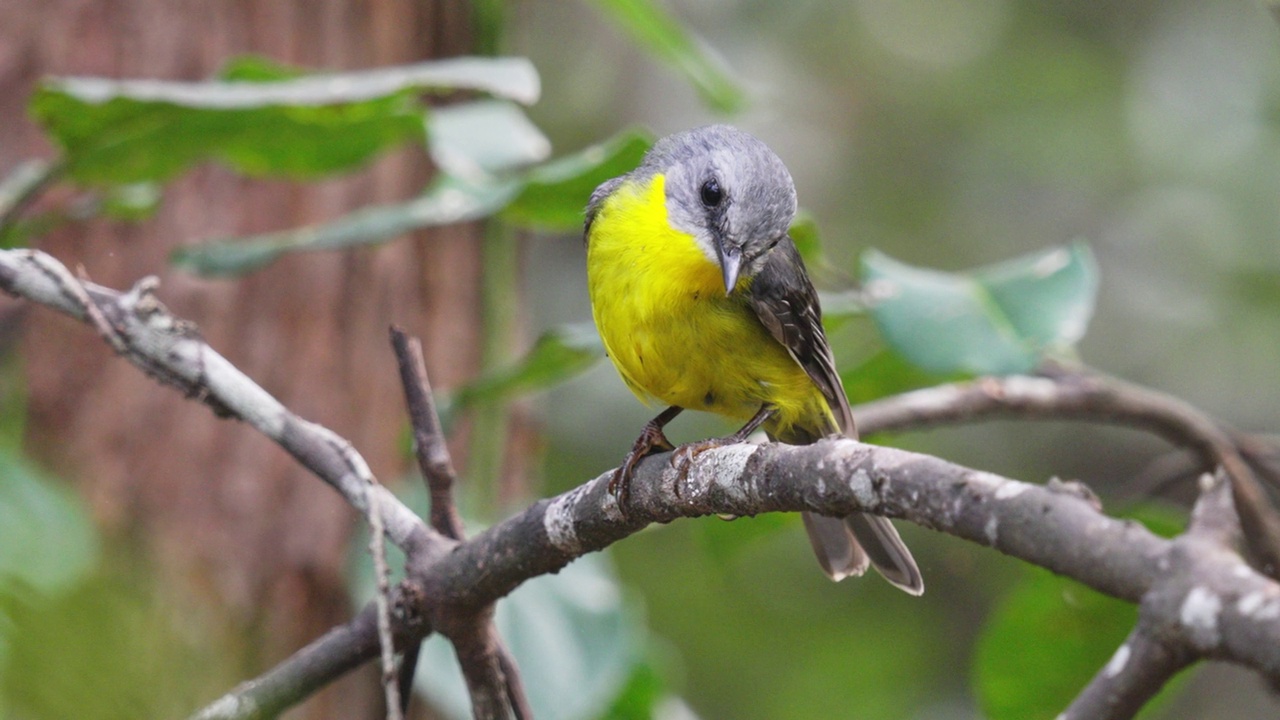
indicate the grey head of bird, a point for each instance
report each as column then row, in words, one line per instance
column 729, row 191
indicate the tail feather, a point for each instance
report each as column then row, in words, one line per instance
column 846, row 547
column 884, row 547
column 837, row 549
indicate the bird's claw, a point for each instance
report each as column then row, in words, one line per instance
column 651, row 439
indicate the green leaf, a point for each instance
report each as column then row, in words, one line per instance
column 47, row 523
column 559, row 354
column 653, row 29
column 840, row 307
column 1163, row 519
column 552, row 195
column 1002, row 319
column 1075, row 630
column 1043, row 643
column 449, row 200
column 477, row 139
column 126, row 131
column 556, row 194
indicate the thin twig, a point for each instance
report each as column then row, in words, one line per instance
column 408, row 667
column 515, row 686
column 428, row 437
column 477, row 652
column 386, row 644
column 434, row 462
column 437, row 470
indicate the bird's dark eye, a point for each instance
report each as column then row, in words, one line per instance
column 712, row 195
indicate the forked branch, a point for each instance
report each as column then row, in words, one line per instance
column 1195, row 587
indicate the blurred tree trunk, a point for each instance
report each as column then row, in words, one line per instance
column 240, row 538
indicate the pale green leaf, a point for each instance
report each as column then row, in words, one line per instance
column 129, row 131
column 47, row 540
column 450, row 200
column 998, row 320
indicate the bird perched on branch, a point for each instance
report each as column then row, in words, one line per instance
column 703, row 302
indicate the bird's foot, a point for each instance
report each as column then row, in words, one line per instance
column 651, row 440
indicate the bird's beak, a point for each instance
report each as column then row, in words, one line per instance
column 730, row 264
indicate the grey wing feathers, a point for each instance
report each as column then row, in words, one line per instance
column 786, row 303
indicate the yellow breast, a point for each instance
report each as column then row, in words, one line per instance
column 670, row 329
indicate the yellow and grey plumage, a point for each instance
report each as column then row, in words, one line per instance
column 703, row 302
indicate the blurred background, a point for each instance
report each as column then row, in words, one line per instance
column 949, row 135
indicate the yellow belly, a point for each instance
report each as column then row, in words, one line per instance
column 671, row 331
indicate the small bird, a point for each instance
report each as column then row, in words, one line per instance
column 703, row 302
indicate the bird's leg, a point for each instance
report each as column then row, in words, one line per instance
column 685, row 455
column 651, row 438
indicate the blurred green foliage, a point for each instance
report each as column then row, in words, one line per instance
column 1018, row 675
column 1043, row 642
column 107, row 648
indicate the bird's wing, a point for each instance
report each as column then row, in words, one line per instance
column 783, row 297
column 786, row 303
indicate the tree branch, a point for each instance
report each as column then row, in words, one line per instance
column 382, row 607
column 1179, row 617
column 1094, row 397
column 170, row 350
column 837, row 477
